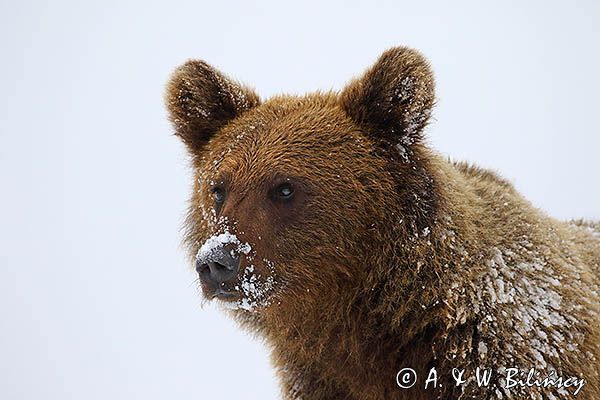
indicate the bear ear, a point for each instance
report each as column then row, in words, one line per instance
column 200, row 100
column 393, row 100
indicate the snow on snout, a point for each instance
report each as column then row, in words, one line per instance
column 215, row 242
column 253, row 287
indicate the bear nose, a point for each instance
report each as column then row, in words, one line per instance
column 219, row 266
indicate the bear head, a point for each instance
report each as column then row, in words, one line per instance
column 300, row 199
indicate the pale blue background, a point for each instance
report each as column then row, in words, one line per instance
column 96, row 301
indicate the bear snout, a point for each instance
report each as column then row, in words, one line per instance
column 217, row 267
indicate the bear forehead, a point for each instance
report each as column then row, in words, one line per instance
column 289, row 135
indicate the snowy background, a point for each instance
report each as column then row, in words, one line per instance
column 96, row 300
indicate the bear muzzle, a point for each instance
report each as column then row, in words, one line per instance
column 217, row 268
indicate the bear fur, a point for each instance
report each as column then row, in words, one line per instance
column 388, row 256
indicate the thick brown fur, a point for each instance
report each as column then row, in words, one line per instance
column 389, row 255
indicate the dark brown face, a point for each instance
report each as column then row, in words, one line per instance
column 284, row 190
column 290, row 195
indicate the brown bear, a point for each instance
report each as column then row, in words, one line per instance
column 374, row 267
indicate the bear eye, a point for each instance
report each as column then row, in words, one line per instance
column 285, row 191
column 218, row 195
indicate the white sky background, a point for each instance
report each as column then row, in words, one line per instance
column 96, row 300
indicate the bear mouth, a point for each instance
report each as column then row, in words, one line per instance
column 222, row 294
column 212, row 292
